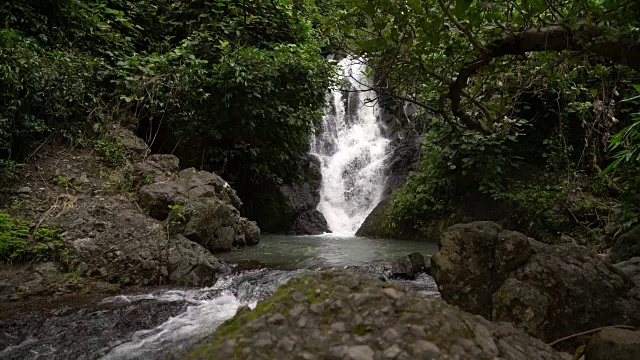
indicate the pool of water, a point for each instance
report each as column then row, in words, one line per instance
column 326, row 251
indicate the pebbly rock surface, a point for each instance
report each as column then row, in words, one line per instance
column 347, row 315
column 310, row 222
column 548, row 291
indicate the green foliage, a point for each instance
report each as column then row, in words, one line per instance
column 176, row 215
column 111, row 151
column 14, row 234
column 550, row 113
column 43, row 90
column 19, row 243
column 451, row 164
column 176, row 218
column 63, row 181
column 7, row 173
column 233, row 86
column 627, row 142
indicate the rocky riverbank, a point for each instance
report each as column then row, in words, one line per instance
column 515, row 295
column 121, row 217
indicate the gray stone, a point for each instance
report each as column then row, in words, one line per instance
column 310, row 222
column 209, row 206
column 360, row 352
column 276, row 209
column 614, row 344
column 25, row 190
column 548, row 291
column 462, row 266
column 191, row 264
column 631, row 268
column 626, row 246
column 409, row 266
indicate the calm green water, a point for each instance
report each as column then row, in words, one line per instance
column 322, row 251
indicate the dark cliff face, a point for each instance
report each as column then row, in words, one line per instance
column 276, row 209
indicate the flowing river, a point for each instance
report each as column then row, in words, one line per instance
column 166, row 322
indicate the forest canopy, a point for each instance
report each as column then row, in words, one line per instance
column 519, row 104
column 530, row 104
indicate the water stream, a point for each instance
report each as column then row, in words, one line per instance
column 166, row 322
column 352, row 150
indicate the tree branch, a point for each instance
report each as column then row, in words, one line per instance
column 623, row 50
column 465, row 30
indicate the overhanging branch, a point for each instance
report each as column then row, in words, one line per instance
column 622, row 50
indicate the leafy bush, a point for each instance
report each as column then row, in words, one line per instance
column 453, row 164
column 43, row 90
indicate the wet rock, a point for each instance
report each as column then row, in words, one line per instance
column 374, row 225
column 626, row 246
column 403, row 160
column 548, row 291
column 462, row 266
column 190, row 264
column 407, row 267
column 310, row 222
column 417, row 328
column 614, row 344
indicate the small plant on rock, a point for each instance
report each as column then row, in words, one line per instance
column 13, row 237
column 63, row 181
column 113, row 153
column 176, row 218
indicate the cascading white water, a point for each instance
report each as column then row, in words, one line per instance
column 352, row 150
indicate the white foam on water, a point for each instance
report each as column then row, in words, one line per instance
column 208, row 308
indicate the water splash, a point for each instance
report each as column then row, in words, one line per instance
column 352, row 150
column 208, row 309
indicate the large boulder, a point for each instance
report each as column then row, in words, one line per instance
column 614, row 344
column 209, row 206
column 548, row 291
column 626, row 246
column 409, row 266
column 310, row 222
column 346, row 315
column 112, row 240
column 190, row 264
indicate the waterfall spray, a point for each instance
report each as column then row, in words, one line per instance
column 352, row 150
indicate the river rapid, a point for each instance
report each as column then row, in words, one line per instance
column 166, row 322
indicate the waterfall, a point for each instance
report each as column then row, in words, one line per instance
column 352, row 150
